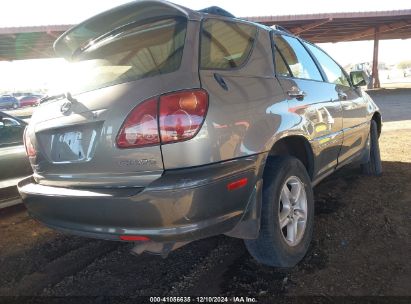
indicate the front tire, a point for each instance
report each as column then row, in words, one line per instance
column 373, row 166
column 287, row 214
column 15, row 105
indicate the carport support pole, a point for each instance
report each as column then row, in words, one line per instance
column 375, row 75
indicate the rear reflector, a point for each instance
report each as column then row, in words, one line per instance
column 133, row 238
column 237, row 184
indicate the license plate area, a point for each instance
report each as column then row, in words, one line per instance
column 70, row 144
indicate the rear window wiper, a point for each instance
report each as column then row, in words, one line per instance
column 53, row 97
column 58, row 97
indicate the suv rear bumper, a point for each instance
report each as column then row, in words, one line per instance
column 182, row 205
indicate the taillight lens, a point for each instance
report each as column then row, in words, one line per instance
column 140, row 127
column 30, row 151
column 182, row 114
column 170, row 118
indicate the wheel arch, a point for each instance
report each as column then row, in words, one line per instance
column 297, row 146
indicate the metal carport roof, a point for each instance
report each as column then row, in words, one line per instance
column 337, row 27
column 37, row 41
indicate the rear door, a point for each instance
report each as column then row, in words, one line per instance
column 354, row 107
column 313, row 100
column 14, row 163
column 236, row 69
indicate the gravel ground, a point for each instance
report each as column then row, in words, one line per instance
column 361, row 246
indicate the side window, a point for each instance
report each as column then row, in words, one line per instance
column 297, row 58
column 10, row 122
column 331, row 69
column 226, row 45
column 281, row 68
column 11, row 132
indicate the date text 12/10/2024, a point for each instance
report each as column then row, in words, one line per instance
column 203, row 299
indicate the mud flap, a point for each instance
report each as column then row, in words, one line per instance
column 249, row 225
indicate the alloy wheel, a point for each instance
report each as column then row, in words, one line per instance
column 292, row 213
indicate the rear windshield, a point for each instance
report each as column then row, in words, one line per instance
column 226, row 44
column 147, row 50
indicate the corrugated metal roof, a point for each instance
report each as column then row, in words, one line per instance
column 36, row 41
column 35, row 29
column 347, row 26
column 369, row 14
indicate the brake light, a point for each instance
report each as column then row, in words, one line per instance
column 170, row 118
column 30, row 151
column 140, row 127
column 182, row 114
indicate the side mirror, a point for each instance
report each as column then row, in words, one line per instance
column 359, row 78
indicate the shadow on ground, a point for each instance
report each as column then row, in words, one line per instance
column 359, row 248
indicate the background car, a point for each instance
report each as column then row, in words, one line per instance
column 32, row 100
column 8, row 102
column 20, row 95
column 14, row 163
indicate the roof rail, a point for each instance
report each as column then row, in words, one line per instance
column 280, row 28
column 215, row 10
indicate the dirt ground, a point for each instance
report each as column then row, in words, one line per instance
column 361, row 246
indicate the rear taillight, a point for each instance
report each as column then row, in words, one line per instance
column 182, row 114
column 140, row 127
column 170, row 118
column 30, row 151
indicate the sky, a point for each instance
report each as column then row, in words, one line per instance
column 43, row 12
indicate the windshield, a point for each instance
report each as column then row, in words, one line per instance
column 146, row 50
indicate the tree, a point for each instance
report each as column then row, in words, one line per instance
column 404, row 64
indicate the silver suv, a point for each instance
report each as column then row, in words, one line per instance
column 184, row 124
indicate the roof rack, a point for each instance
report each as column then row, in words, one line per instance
column 280, row 28
column 215, row 10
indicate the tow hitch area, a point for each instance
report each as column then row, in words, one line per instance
column 162, row 249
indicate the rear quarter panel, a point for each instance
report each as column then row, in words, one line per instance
column 241, row 120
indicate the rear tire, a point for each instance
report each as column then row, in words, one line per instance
column 274, row 245
column 373, row 166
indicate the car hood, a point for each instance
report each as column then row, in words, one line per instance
column 103, row 23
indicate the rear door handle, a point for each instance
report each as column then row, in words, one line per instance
column 220, row 80
column 295, row 92
column 342, row 95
